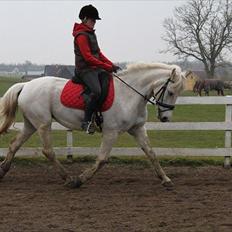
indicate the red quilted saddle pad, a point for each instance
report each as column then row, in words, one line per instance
column 71, row 96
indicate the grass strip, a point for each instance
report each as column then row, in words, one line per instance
column 175, row 139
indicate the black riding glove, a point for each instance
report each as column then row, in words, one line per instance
column 115, row 68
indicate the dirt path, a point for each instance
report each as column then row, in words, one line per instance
column 119, row 198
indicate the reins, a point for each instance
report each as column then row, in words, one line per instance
column 145, row 97
column 158, row 101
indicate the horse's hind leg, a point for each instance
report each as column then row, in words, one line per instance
column 15, row 144
column 105, row 149
column 45, row 136
column 141, row 137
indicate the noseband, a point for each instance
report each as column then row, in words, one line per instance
column 156, row 101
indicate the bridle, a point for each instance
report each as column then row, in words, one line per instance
column 156, row 101
column 160, row 99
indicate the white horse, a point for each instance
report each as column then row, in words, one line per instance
column 39, row 101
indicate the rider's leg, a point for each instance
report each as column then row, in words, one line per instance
column 104, row 78
column 92, row 82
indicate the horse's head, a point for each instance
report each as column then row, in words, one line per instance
column 166, row 92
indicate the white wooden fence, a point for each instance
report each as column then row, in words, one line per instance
column 222, row 126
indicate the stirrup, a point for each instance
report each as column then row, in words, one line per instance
column 88, row 127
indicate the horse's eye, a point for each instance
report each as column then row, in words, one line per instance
column 170, row 93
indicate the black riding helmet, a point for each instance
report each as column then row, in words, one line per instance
column 89, row 11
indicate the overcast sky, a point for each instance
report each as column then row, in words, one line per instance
column 41, row 31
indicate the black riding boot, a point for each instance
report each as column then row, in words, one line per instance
column 88, row 123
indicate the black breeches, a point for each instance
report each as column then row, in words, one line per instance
column 96, row 82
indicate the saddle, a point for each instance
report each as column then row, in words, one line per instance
column 73, row 96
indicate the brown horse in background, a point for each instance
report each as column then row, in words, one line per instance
column 207, row 85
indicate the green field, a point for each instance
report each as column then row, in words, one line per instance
column 6, row 82
column 193, row 113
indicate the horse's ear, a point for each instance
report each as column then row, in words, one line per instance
column 173, row 74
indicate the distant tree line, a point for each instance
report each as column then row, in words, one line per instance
column 21, row 67
column 224, row 71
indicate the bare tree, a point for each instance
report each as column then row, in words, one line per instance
column 26, row 66
column 201, row 29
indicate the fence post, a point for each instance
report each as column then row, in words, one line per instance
column 69, row 146
column 228, row 117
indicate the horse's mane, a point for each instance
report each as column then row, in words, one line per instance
column 134, row 67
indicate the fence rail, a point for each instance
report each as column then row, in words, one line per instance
column 223, row 126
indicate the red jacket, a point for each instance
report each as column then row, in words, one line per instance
column 84, row 47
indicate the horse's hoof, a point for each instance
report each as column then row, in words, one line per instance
column 168, row 185
column 73, row 182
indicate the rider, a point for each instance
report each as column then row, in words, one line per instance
column 92, row 68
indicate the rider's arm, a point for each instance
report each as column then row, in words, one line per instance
column 83, row 43
column 104, row 59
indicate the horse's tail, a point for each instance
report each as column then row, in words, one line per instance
column 8, row 106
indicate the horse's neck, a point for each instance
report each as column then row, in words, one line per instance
column 143, row 81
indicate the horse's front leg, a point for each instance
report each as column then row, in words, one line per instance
column 108, row 140
column 140, row 134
